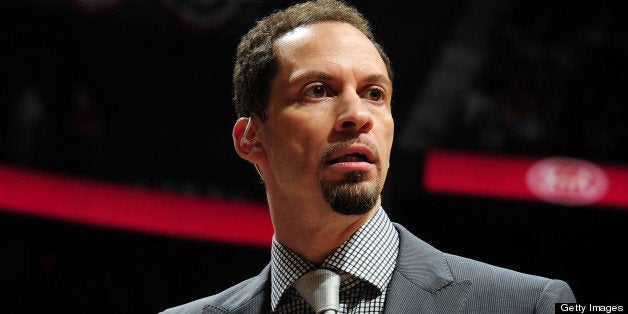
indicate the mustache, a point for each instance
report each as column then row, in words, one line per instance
column 338, row 146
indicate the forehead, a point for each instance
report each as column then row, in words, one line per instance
column 328, row 44
column 322, row 32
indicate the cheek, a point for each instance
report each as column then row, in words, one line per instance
column 297, row 141
column 391, row 129
column 387, row 134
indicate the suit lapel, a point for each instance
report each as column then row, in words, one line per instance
column 422, row 282
column 405, row 297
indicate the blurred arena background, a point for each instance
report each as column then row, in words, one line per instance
column 120, row 191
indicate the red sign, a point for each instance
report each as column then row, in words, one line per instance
column 567, row 181
column 560, row 180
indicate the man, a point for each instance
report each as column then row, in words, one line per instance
column 313, row 90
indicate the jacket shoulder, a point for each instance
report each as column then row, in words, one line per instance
column 245, row 297
column 493, row 284
column 210, row 304
column 492, row 289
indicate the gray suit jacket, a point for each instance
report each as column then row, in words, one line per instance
column 425, row 280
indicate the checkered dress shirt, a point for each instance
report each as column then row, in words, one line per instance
column 365, row 263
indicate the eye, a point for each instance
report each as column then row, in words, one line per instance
column 374, row 94
column 316, row 91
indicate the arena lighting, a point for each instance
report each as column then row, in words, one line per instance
column 559, row 180
column 135, row 209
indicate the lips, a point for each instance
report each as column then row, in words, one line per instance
column 355, row 157
column 352, row 154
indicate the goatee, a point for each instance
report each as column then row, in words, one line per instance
column 348, row 197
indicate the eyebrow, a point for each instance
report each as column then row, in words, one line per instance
column 324, row 76
column 379, row 78
column 311, row 76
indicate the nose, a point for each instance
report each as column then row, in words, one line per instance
column 354, row 114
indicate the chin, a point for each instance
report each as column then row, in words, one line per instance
column 353, row 195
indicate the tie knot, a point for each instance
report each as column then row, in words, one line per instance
column 320, row 288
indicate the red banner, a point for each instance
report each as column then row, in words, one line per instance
column 559, row 180
column 163, row 213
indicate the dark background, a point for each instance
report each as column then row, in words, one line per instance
column 132, row 94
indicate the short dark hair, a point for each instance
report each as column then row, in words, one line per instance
column 256, row 62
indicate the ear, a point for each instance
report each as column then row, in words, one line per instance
column 245, row 140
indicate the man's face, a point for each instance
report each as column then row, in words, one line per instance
column 329, row 129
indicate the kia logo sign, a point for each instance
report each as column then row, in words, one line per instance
column 567, row 181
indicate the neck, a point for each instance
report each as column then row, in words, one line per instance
column 315, row 233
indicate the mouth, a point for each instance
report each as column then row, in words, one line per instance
column 352, row 157
column 356, row 154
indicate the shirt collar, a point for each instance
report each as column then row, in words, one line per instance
column 369, row 254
